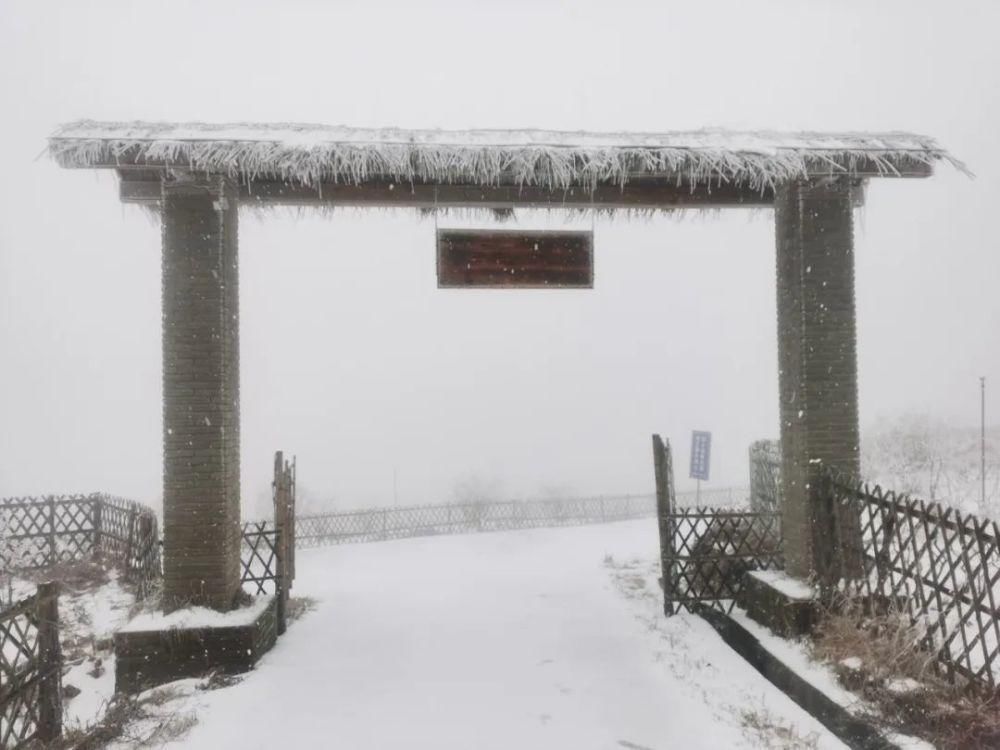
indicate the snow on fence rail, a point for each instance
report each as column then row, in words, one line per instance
column 38, row 532
column 31, row 668
column 944, row 565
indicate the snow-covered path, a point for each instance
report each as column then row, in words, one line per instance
column 535, row 639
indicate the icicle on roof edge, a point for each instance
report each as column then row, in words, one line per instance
column 312, row 154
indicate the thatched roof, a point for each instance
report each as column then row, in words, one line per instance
column 314, row 154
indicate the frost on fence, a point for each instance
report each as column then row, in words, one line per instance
column 940, row 566
column 37, row 532
column 129, row 535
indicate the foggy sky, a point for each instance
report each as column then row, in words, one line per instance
column 354, row 361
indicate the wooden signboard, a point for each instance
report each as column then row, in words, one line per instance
column 514, row 259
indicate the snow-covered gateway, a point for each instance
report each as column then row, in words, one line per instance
column 197, row 175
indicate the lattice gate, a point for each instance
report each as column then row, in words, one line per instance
column 267, row 558
column 709, row 551
column 704, row 552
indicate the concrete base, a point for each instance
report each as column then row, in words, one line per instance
column 787, row 606
column 145, row 658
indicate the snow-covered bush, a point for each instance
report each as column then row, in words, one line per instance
column 927, row 458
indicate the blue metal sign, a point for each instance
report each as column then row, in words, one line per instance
column 701, row 453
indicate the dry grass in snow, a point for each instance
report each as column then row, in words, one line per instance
column 882, row 658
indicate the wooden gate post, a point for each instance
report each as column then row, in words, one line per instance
column 290, row 524
column 53, row 552
column 145, row 552
column 98, row 509
column 130, row 548
column 281, row 579
column 49, row 662
column 280, row 539
column 663, row 469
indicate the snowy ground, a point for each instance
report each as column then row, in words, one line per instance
column 93, row 604
column 548, row 638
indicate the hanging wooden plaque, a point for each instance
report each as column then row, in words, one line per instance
column 514, row 259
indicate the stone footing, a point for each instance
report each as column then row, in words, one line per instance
column 785, row 605
column 145, row 658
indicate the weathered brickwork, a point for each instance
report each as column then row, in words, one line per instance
column 817, row 356
column 201, row 398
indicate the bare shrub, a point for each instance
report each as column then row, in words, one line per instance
column 298, row 606
column 770, row 732
column 125, row 713
column 888, row 645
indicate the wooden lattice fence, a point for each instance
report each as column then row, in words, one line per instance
column 259, row 558
column 31, row 669
column 383, row 524
column 941, row 566
column 39, row 532
column 710, row 549
column 705, row 551
column 36, row 532
column 127, row 534
column 267, row 559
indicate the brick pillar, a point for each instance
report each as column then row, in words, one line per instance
column 201, row 393
column 817, row 359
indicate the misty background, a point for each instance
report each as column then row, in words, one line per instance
column 390, row 390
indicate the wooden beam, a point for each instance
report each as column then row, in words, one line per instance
column 637, row 195
column 640, row 195
column 140, row 191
